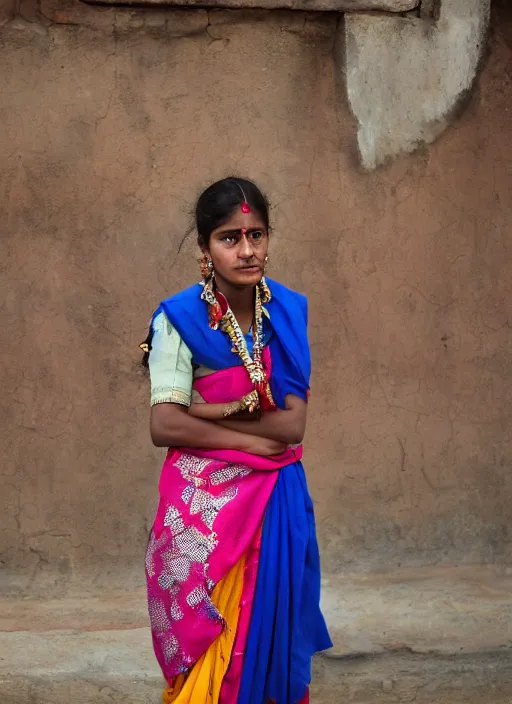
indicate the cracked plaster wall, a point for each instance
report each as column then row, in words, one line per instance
column 112, row 122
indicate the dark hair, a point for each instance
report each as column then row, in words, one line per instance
column 219, row 201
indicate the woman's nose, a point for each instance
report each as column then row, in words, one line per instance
column 246, row 249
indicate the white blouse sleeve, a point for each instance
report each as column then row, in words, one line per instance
column 170, row 365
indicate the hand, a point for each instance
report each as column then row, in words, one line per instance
column 248, row 404
column 265, row 446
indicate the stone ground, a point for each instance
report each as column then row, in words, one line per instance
column 428, row 636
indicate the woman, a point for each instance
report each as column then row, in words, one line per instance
column 232, row 562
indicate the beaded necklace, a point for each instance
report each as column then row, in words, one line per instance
column 225, row 319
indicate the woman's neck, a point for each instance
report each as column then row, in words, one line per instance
column 240, row 300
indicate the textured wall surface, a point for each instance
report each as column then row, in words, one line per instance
column 406, row 75
column 112, row 121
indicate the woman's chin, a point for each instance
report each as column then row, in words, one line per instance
column 247, row 277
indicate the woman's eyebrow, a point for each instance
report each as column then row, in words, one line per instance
column 239, row 230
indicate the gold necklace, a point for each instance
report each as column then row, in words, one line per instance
column 229, row 324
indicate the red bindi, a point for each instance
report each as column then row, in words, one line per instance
column 246, row 208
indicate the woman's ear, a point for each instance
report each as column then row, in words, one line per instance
column 204, row 250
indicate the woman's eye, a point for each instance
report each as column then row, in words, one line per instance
column 257, row 235
column 229, row 239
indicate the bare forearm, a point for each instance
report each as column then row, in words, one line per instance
column 208, row 411
column 281, row 425
column 183, row 430
column 221, row 411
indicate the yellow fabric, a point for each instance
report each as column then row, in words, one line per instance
column 204, row 681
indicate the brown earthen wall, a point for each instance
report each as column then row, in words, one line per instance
column 112, row 122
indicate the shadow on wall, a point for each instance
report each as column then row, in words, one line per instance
column 502, row 23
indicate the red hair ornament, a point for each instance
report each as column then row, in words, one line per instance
column 245, row 207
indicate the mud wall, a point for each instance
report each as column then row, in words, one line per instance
column 112, row 122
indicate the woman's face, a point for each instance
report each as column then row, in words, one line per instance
column 238, row 249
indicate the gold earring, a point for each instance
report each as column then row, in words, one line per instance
column 206, row 266
column 265, row 292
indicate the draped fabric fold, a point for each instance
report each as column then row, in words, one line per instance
column 206, row 677
column 287, row 626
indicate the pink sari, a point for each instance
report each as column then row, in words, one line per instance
column 212, row 504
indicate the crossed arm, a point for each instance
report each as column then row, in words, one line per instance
column 201, row 426
column 285, row 425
